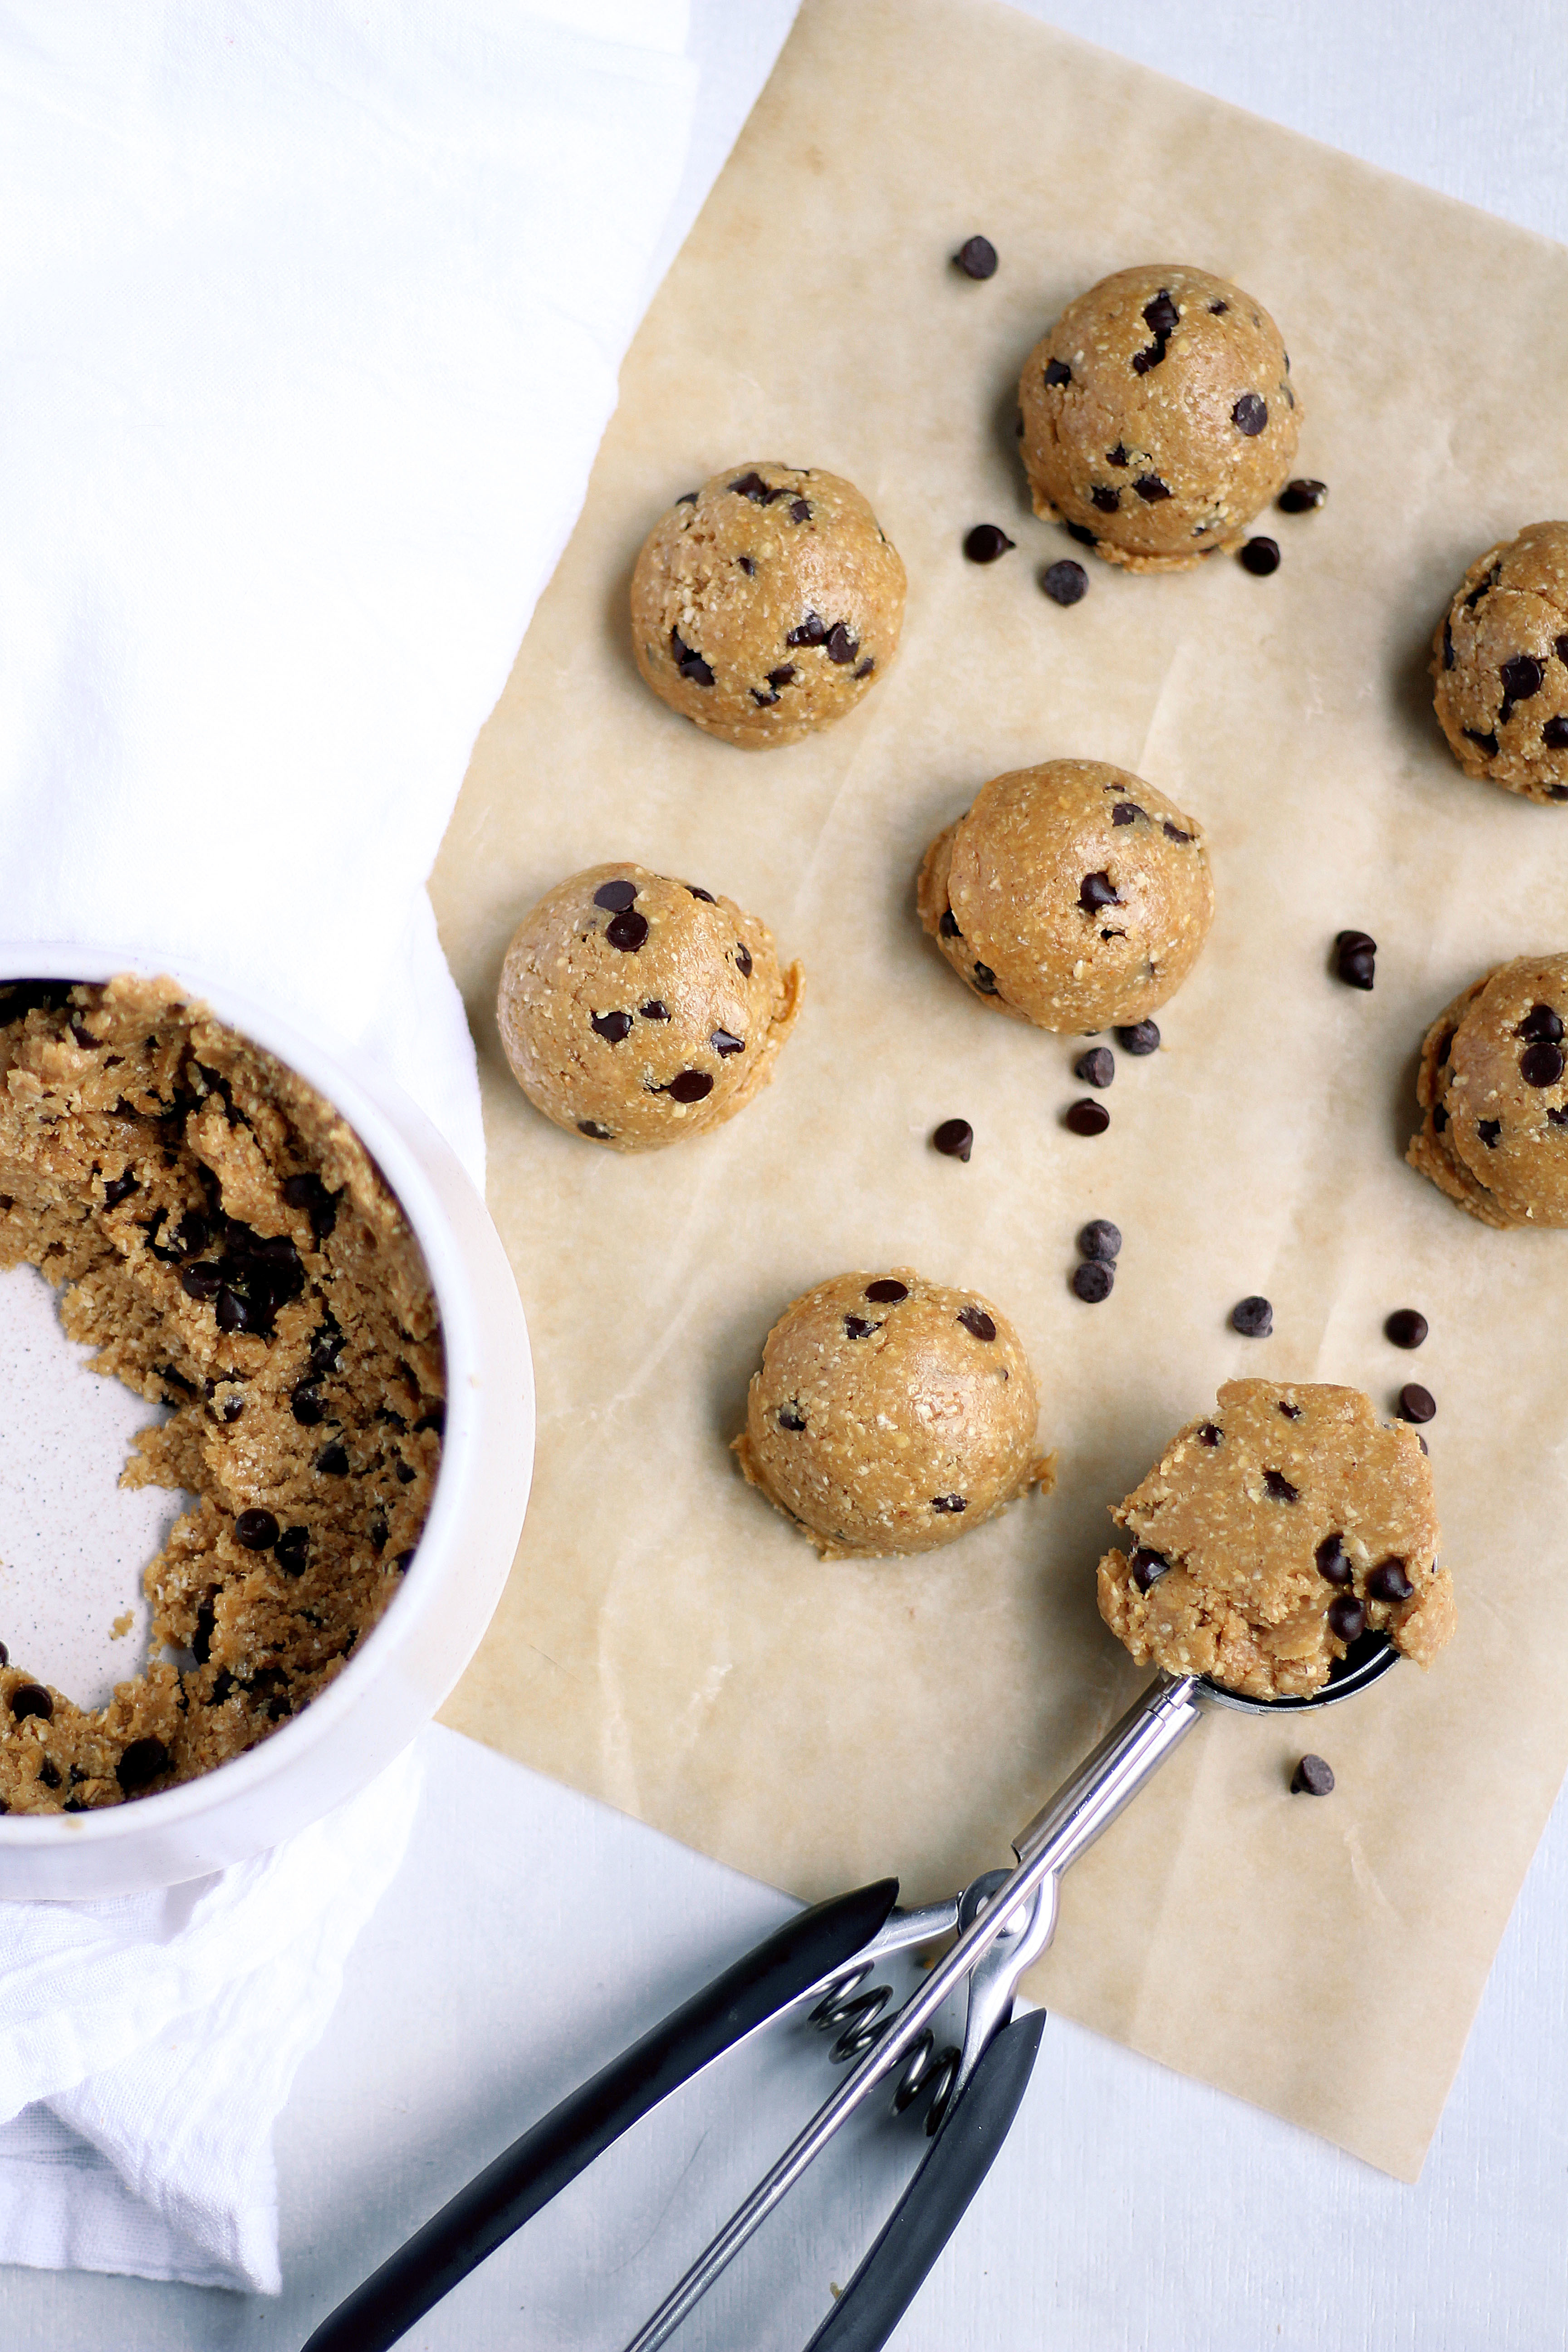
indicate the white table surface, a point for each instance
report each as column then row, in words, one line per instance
column 531, row 1932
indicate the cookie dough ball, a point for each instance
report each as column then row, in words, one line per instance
column 1072, row 895
column 766, row 603
column 1500, row 662
column 1270, row 1537
column 1493, row 1089
column 891, row 1416
column 637, row 1010
column 1158, row 416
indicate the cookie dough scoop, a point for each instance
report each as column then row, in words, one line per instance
column 1493, row 1090
column 892, row 1415
column 636, row 1011
column 1072, row 895
column 1500, row 663
column 766, row 603
column 1158, row 416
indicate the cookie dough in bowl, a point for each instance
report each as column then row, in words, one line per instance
column 1072, row 895
column 892, row 1415
column 1493, row 1090
column 1158, row 416
column 637, row 1011
column 1271, row 1534
column 766, row 603
column 1499, row 660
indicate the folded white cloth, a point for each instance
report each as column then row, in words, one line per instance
column 309, row 322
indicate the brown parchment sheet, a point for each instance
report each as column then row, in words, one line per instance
column 666, row 1641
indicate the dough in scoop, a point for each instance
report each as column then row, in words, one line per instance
column 1500, row 662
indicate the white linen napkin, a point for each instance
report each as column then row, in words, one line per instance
column 309, row 322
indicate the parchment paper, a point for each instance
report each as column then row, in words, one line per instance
column 667, row 1642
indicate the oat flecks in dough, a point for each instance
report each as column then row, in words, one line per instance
column 1072, row 895
column 892, row 1415
column 766, row 603
column 1500, row 663
column 1159, row 416
column 1493, row 1090
column 635, row 1009
column 222, row 1238
column 1260, row 1519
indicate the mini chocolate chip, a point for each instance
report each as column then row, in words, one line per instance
column 291, row 1549
column 790, row 1416
column 864, row 669
column 332, row 1461
column 1555, row 735
column 1105, row 498
column 119, row 1188
column 1448, row 647
column 984, row 980
column 4, row 1655
column 742, row 959
column 690, row 665
column 1540, row 1065
column 764, row 701
column 405, row 1473
column 1416, row 1403
column 1128, row 813
column 1209, row 1434
column 32, row 1698
column 1082, row 533
column 1093, row 1281
column 1065, row 582
column 1488, row 1130
column 976, row 257
column 1405, row 1328
column 688, row 1086
column 1290, row 1412
column 948, row 926
column 1217, row 309
column 977, row 1323
column 1086, row 1118
column 687, row 499
column 49, row 1773
column 1260, row 557
column 1522, row 677
column 626, row 932
column 839, row 646
column 1332, row 1565
column 1174, row 832
column 751, row 486
column 724, row 1043
column 256, row 1530
column 1388, row 1581
column 1541, row 1027
column 954, row 1138
column 747, row 566
column 800, row 510
column 888, row 1291
column 1279, row 1487
column 809, row 632
column 1253, row 1317
column 1057, row 372
column 1250, row 415
column 783, row 676
column 1559, row 1117
column 1142, row 1038
column 859, row 1326
column 200, row 1282
column 592, row 1127
column 1487, row 742
column 1312, row 1778
column 1347, row 1618
column 1439, row 1117
column 1301, row 495
column 144, row 1761
column 1351, row 942
column 948, row 1503
column 1117, row 457
column 1097, row 890
column 1097, row 1068
column 1101, row 1240
column 1148, row 1567
column 611, row 1026
column 232, row 1311
column 692, row 891
column 1152, row 356
column 1150, row 486
column 986, row 541
column 1355, row 959
column 1161, row 315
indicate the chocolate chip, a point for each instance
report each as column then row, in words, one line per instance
column 1093, row 1281
column 1559, row 1117
column 405, row 1473
column 800, row 510
column 32, row 1698
column 1127, row 812
column 948, row 926
column 1290, row 1412
column 724, row 1043
column 1250, row 415
column 1209, row 1434
column 984, row 980
column 1474, row 598
column 1555, row 735
column 4, row 1655
column 751, row 486
column 764, row 701
column 1161, row 315
column 1057, row 372
column 332, row 1461
column 1097, row 1068
column 1279, row 1487
column 1117, row 457
column 1105, row 498
column 200, row 1282
column 976, row 257
column 1065, row 582
column 1439, row 1117
column 1148, row 1567
column 1405, row 1328
column 1355, row 954
column 687, row 1087
column 1097, row 890
column 887, row 1292
column 687, row 499
column 1260, row 557
column 1217, row 309
column 1541, row 1025
column 790, row 1416
column 144, row 1761
column 1332, row 1565
column 1082, row 533
column 1312, row 1778
column 954, row 1138
column 611, row 1026
column 1101, row 1240
column 1142, row 1038
column 1540, row 1065
column 742, row 959
column 948, row 1503
column 1086, row 1118
column 1174, row 832
column 1416, row 1403
column 1522, row 677
column 1299, row 497
column 1150, row 486
column 626, row 932
column 1388, row 1581
column 1152, row 356
column 233, row 1312
column 1487, row 742
column 256, row 1530
column 859, row 1326
column 592, row 1127
column 119, row 1188
column 839, row 646
column 986, row 541
column 1347, row 1618
column 692, row 891
column 291, row 1549
column 809, row 632
column 1488, row 1130
column 977, row 1323
column 783, row 676
column 747, row 566
column 1253, row 1317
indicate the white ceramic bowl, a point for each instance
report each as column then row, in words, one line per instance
column 400, row 1675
